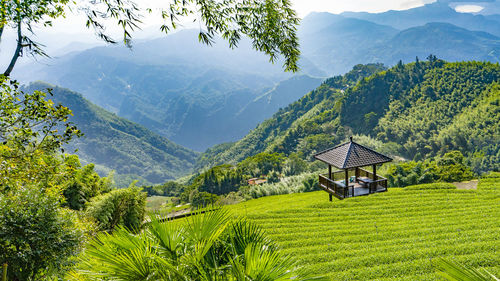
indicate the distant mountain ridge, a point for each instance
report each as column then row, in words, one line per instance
column 114, row 143
column 439, row 11
column 342, row 41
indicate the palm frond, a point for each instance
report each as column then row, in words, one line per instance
column 169, row 237
column 244, row 233
column 200, row 227
column 454, row 271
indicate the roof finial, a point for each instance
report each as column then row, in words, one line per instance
column 350, row 138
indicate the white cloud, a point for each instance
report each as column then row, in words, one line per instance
column 468, row 8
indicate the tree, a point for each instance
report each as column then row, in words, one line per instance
column 262, row 163
column 36, row 236
column 32, row 130
column 16, row 13
column 85, row 184
column 271, row 25
column 294, row 165
column 209, row 246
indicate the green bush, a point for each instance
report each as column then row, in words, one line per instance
column 448, row 168
column 37, row 236
column 293, row 184
column 84, row 185
column 124, row 207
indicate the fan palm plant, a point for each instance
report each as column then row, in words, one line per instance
column 454, row 271
column 208, row 247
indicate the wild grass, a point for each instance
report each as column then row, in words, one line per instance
column 288, row 185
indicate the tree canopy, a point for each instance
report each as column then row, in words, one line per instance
column 271, row 25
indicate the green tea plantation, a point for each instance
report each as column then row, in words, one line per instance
column 386, row 236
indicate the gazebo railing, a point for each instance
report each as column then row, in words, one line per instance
column 365, row 173
column 332, row 187
column 339, row 190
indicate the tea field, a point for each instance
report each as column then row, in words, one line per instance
column 386, row 236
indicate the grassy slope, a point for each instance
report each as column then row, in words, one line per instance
column 387, row 236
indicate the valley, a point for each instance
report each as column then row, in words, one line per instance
column 250, row 140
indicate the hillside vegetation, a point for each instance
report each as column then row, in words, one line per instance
column 114, row 143
column 418, row 110
column 387, row 236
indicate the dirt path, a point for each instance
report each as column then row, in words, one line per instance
column 466, row 184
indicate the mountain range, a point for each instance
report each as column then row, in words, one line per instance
column 178, row 91
column 195, row 95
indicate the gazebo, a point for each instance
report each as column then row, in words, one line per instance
column 351, row 180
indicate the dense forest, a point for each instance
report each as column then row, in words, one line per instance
column 417, row 110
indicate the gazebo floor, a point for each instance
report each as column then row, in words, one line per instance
column 360, row 190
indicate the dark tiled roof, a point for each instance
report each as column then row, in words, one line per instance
column 351, row 155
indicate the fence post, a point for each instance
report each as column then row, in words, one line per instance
column 4, row 272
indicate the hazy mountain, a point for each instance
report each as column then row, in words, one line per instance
column 345, row 42
column 444, row 40
column 199, row 96
column 335, row 43
column 114, row 143
column 195, row 95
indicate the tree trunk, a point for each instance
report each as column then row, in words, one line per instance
column 17, row 53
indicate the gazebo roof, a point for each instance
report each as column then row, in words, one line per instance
column 351, row 155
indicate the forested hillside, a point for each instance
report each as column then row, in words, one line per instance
column 417, row 110
column 114, row 143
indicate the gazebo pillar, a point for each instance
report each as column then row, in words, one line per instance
column 374, row 172
column 330, row 177
column 346, row 183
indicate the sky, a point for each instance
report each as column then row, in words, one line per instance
column 304, row 7
column 73, row 24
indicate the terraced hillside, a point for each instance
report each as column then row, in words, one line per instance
column 386, row 236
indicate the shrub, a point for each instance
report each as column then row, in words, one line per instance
column 491, row 175
column 124, row 207
column 293, row 184
column 37, row 236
